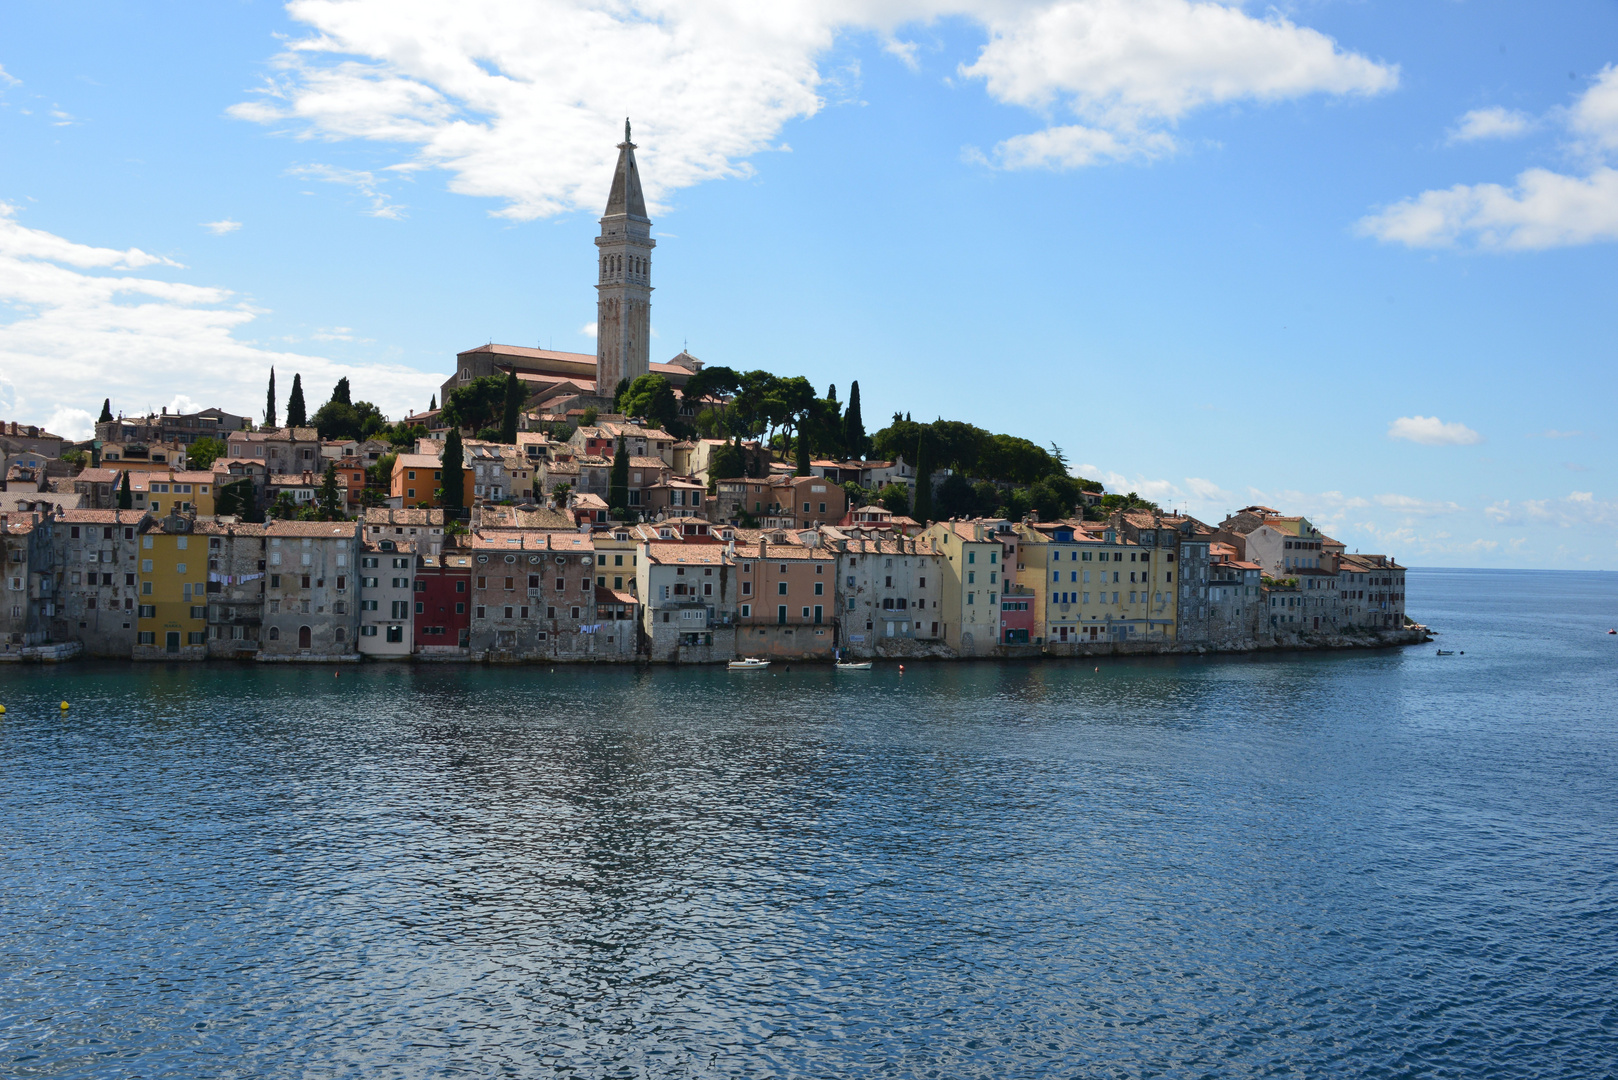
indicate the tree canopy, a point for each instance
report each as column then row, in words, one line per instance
column 651, row 397
column 201, row 454
column 297, row 413
column 479, row 404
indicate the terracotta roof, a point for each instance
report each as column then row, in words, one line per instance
column 98, row 476
column 613, row 596
column 670, row 553
column 103, row 517
column 318, row 529
column 382, row 515
column 214, row 526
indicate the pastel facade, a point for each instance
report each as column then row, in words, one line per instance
column 172, row 606
column 387, row 597
column 888, row 587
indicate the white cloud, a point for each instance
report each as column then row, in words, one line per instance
column 1431, row 431
column 1073, row 146
column 61, row 118
column 1125, row 65
column 1554, row 434
column 522, row 102
column 1546, row 209
column 1492, row 123
column 74, row 329
column 1578, row 508
column 7, row 79
column 71, row 423
column 221, row 227
column 588, row 329
column 1594, row 116
column 1407, row 504
column 367, row 183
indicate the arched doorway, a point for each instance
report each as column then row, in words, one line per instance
column 303, row 637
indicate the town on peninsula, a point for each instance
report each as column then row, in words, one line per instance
column 554, row 507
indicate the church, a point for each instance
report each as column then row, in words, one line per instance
column 563, row 380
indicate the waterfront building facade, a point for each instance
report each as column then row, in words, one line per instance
column 99, row 554
column 235, row 589
column 387, row 597
column 311, row 606
column 172, row 606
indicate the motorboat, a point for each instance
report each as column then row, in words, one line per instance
column 748, row 663
column 1446, row 652
column 849, row 665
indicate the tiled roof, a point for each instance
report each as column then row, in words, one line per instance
column 103, row 517
column 318, row 529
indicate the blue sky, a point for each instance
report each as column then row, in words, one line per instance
column 1349, row 259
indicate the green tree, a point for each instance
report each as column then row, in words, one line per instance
column 201, row 454
column 477, row 405
column 235, row 499
column 896, row 497
column 126, row 497
column 76, row 458
column 283, row 508
column 854, row 443
column 924, row 480
column 650, row 397
column 331, row 496
column 106, row 411
column 513, row 410
column 297, row 414
column 726, row 463
column 711, row 382
column 857, row 495
column 341, row 392
column 454, row 479
column 588, row 419
column 269, row 403
column 802, row 468
column 618, row 485
column 432, row 406
column 618, row 393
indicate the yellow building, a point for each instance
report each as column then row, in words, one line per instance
column 978, row 565
column 1092, row 585
column 161, row 493
column 172, row 618
column 616, row 559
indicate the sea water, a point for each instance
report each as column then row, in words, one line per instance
column 1383, row 863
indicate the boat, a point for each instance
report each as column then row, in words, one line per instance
column 849, row 665
column 748, row 663
column 1446, row 652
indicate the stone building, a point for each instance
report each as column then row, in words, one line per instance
column 98, row 554
column 284, row 451
column 786, row 597
column 236, row 585
column 422, row 528
column 533, row 595
column 178, row 427
column 27, row 579
column 888, row 589
column 688, row 587
column 311, row 608
column 624, row 278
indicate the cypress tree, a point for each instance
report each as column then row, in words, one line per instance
column 514, row 397
column 853, row 425
column 923, row 511
column 803, row 452
column 432, row 406
column 269, row 403
column 297, row 415
column 340, row 392
column 331, row 497
column 454, row 479
column 106, row 411
column 618, row 394
column 618, row 486
column 831, row 392
column 126, row 498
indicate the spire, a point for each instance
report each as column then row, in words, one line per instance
column 626, row 197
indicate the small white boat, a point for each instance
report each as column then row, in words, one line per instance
column 1446, row 652
column 750, row 663
column 850, row 666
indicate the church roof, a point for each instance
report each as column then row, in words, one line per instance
column 626, row 197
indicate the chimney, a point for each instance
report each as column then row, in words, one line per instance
column 763, row 549
column 977, row 530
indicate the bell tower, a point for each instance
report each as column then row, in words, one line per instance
column 624, row 278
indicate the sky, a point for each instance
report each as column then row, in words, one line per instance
column 1353, row 259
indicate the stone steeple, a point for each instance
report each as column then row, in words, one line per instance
column 624, row 278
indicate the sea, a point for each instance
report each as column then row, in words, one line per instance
column 1382, row 863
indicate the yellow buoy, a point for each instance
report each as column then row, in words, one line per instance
column 2, row 710
column 64, row 704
